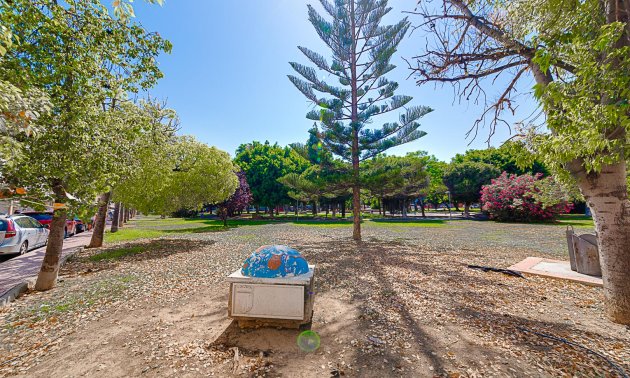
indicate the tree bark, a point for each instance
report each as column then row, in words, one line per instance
column 126, row 215
column 99, row 221
column 115, row 218
column 121, row 220
column 607, row 196
column 467, row 208
column 422, row 209
column 343, row 209
column 354, row 117
column 47, row 277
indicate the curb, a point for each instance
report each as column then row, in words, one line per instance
column 28, row 282
column 13, row 293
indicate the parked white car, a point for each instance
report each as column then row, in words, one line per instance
column 20, row 234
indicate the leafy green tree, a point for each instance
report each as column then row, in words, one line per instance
column 183, row 175
column 361, row 52
column 301, row 189
column 507, row 158
column 577, row 54
column 435, row 193
column 325, row 181
column 147, row 127
column 263, row 165
column 396, row 180
column 75, row 52
column 464, row 181
column 19, row 113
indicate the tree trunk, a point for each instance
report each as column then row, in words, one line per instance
column 354, row 118
column 607, row 195
column 422, row 209
column 126, row 215
column 343, row 209
column 314, row 208
column 467, row 208
column 121, row 221
column 356, row 208
column 99, row 221
column 47, row 277
column 115, row 218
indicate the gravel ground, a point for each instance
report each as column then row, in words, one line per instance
column 400, row 303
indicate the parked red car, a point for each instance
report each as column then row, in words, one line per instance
column 45, row 217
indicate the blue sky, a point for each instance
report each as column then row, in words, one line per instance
column 226, row 75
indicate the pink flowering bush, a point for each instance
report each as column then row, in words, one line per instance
column 524, row 198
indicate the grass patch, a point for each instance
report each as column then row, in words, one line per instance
column 117, row 253
column 128, row 234
column 383, row 222
column 322, row 223
column 576, row 220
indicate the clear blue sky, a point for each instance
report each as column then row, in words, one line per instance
column 226, row 75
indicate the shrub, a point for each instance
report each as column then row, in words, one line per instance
column 524, row 198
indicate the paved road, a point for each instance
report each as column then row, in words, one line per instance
column 22, row 268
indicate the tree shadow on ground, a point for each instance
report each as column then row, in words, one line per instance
column 97, row 259
column 198, row 230
column 410, row 222
column 366, row 316
column 431, row 298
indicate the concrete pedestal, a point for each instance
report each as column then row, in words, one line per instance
column 280, row 302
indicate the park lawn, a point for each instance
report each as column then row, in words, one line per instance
column 400, row 303
column 393, row 223
column 117, row 253
column 128, row 234
column 150, row 227
column 575, row 220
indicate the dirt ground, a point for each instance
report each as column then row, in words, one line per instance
column 402, row 303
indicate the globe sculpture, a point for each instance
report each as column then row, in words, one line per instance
column 271, row 261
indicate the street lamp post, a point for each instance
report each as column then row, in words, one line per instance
column 450, row 203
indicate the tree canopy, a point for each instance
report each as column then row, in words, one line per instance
column 578, row 54
column 361, row 50
column 507, row 158
column 464, row 180
column 264, row 164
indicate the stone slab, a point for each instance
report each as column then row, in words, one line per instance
column 557, row 269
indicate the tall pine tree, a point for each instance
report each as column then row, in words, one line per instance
column 361, row 53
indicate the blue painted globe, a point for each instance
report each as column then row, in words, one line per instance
column 271, row 261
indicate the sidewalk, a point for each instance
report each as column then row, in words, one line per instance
column 19, row 270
